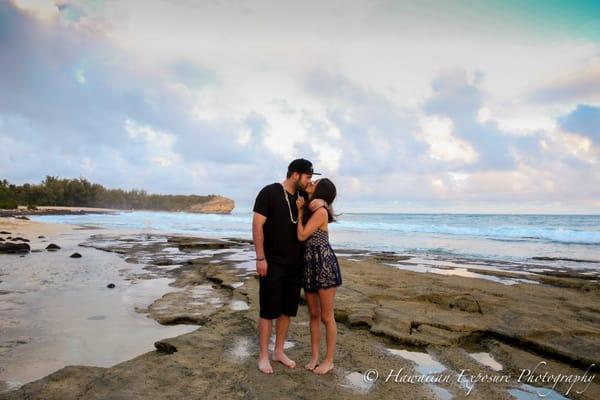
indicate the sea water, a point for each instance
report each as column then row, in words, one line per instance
column 481, row 236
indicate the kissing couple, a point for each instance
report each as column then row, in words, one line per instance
column 291, row 240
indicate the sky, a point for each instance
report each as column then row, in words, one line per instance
column 430, row 106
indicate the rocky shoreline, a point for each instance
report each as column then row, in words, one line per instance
column 23, row 212
column 389, row 319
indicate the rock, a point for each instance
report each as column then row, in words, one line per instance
column 522, row 325
column 466, row 303
column 193, row 306
column 110, row 286
column 41, row 237
column 201, row 245
column 75, row 255
column 216, row 205
column 22, row 217
column 52, row 247
column 161, row 262
column 563, row 259
column 2, row 240
column 14, row 248
column 21, row 239
column 165, row 347
column 4, row 233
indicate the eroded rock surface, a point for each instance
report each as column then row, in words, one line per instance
column 378, row 308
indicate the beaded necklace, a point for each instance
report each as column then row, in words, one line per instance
column 288, row 204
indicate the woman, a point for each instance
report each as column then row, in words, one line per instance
column 321, row 275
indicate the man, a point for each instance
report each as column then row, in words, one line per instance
column 279, row 259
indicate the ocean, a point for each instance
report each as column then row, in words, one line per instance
column 513, row 238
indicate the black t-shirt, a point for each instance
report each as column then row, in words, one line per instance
column 281, row 241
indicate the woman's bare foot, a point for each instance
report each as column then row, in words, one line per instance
column 285, row 360
column 264, row 365
column 312, row 364
column 324, row 367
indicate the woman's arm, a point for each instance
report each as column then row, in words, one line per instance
column 318, row 218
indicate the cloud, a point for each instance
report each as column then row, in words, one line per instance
column 217, row 97
column 460, row 100
column 67, row 94
column 378, row 137
column 585, row 120
column 580, row 86
column 443, row 145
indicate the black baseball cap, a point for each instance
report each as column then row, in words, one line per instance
column 302, row 166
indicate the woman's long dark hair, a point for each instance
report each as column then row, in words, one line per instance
column 325, row 191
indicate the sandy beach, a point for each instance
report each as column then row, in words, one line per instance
column 401, row 333
column 27, row 228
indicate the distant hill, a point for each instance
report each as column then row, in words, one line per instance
column 81, row 193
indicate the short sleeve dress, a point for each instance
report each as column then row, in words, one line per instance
column 321, row 269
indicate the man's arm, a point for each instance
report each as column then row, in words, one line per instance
column 258, row 236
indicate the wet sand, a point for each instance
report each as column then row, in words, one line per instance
column 56, row 310
column 397, row 322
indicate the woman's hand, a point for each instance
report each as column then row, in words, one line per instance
column 300, row 203
column 315, row 204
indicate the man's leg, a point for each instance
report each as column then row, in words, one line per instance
column 290, row 297
column 281, row 330
column 264, row 335
column 270, row 290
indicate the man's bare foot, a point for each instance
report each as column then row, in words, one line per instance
column 264, row 365
column 285, row 360
column 323, row 368
column 312, row 364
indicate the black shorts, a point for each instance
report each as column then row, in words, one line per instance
column 279, row 291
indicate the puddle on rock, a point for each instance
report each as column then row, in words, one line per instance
column 528, row 392
column 440, row 392
column 426, row 364
column 357, row 382
column 487, row 360
column 239, row 305
column 241, row 349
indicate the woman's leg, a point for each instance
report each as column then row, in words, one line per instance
column 312, row 299
column 326, row 299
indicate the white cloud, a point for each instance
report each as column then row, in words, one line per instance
column 443, row 145
column 158, row 145
column 362, row 119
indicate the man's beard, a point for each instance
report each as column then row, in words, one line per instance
column 301, row 191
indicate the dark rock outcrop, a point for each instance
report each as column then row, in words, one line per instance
column 14, row 248
column 163, row 346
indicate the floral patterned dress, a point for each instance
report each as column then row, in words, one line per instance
column 321, row 267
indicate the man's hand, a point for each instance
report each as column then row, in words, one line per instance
column 316, row 204
column 300, row 203
column 261, row 267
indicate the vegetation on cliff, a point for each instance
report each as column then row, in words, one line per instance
column 82, row 193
